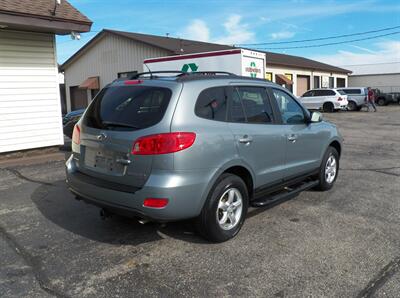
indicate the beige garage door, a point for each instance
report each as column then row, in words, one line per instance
column 303, row 84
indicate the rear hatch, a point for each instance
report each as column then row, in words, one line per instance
column 115, row 119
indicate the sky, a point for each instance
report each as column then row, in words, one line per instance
column 237, row 22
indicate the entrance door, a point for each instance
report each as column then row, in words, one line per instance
column 340, row 82
column 303, row 84
column 78, row 98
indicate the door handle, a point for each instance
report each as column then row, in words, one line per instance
column 292, row 138
column 124, row 161
column 245, row 139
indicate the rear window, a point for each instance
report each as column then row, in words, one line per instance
column 350, row 91
column 128, row 107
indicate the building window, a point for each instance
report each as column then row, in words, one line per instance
column 268, row 76
column 289, row 86
column 127, row 74
column 340, row 82
column 78, row 98
column 317, row 82
column 331, row 82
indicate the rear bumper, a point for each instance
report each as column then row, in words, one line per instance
column 341, row 105
column 185, row 190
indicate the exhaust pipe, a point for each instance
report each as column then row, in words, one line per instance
column 143, row 221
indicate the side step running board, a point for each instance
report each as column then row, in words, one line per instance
column 286, row 194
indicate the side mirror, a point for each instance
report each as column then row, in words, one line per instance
column 316, row 117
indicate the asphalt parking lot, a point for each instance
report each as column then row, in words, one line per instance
column 342, row 243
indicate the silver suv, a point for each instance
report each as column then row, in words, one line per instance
column 201, row 145
column 356, row 96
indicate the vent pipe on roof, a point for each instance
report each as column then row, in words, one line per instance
column 56, row 3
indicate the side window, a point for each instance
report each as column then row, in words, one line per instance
column 308, row 94
column 236, row 108
column 291, row 111
column 211, row 104
column 250, row 104
column 330, row 93
column 318, row 92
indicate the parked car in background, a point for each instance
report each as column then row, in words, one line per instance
column 74, row 115
column 199, row 145
column 327, row 100
column 356, row 97
column 383, row 99
column 69, row 121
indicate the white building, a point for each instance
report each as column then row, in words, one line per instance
column 113, row 54
column 30, row 112
column 384, row 76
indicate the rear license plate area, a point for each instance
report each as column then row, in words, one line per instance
column 103, row 161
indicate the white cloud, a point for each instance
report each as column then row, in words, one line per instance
column 235, row 31
column 379, row 60
column 282, row 35
column 197, row 30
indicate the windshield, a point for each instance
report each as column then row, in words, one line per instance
column 128, row 107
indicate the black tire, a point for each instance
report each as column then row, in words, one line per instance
column 207, row 222
column 352, row 106
column 381, row 102
column 328, row 107
column 323, row 183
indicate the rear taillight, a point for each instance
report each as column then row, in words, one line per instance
column 340, row 99
column 76, row 135
column 155, row 203
column 163, row 143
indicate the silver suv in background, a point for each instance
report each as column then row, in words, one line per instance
column 327, row 100
column 356, row 96
column 201, row 145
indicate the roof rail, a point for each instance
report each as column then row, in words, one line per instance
column 153, row 74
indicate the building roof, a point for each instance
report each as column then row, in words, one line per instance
column 175, row 45
column 178, row 46
column 301, row 62
column 43, row 15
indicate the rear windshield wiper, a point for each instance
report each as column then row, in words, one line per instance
column 118, row 124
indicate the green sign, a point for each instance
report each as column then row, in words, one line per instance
column 253, row 70
column 189, row 66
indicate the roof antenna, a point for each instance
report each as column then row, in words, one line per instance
column 151, row 74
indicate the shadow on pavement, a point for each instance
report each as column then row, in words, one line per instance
column 59, row 206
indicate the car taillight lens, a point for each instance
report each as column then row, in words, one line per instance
column 163, row 143
column 76, row 135
column 340, row 99
column 155, row 203
column 133, row 82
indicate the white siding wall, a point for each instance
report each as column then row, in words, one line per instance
column 106, row 58
column 295, row 72
column 385, row 82
column 30, row 111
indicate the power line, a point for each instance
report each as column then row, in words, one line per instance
column 319, row 39
column 378, row 63
column 329, row 44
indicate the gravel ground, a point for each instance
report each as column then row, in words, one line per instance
column 341, row 243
